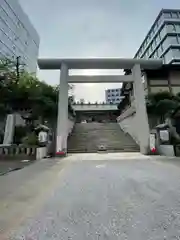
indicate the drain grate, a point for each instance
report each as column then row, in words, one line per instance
column 102, row 148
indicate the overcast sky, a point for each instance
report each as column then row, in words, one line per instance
column 91, row 28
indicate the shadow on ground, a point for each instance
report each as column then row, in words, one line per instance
column 15, row 165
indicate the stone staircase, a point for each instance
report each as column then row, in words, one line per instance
column 88, row 137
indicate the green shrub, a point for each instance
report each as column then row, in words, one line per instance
column 30, row 140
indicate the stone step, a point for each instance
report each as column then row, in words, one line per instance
column 96, row 150
column 88, row 137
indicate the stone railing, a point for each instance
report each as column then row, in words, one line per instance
column 127, row 122
column 22, row 153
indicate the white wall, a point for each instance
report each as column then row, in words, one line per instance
column 41, row 153
column 127, row 122
column 94, row 107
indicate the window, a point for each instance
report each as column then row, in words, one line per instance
column 161, row 46
column 117, row 90
column 152, row 55
column 168, row 56
column 150, row 35
column 156, row 40
column 173, row 39
column 175, row 15
column 177, row 27
column 159, row 51
column 147, row 52
column 156, row 54
column 153, row 44
column 171, row 28
column 150, row 48
column 176, row 53
column 158, row 37
column 167, row 15
column 112, row 95
column 145, row 43
column 117, row 94
column 109, row 95
column 157, row 23
column 155, row 27
column 162, row 32
column 112, row 90
column 143, row 46
column 160, row 19
column 148, row 39
column 145, row 55
column 165, row 44
column 117, row 99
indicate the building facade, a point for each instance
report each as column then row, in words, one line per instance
column 113, row 96
column 18, row 37
column 163, row 38
column 164, row 79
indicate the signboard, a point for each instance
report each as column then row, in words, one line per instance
column 59, row 143
column 152, row 142
column 164, row 135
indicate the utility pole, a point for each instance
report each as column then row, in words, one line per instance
column 17, row 67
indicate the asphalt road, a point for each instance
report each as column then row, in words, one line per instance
column 134, row 199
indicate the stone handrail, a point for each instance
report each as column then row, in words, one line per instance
column 21, row 153
column 128, row 112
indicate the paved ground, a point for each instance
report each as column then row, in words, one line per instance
column 8, row 166
column 93, row 197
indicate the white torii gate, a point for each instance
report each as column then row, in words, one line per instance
column 101, row 63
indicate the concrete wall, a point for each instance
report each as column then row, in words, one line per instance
column 127, row 122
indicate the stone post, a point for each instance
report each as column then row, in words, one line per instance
column 9, row 129
column 62, row 121
column 141, row 113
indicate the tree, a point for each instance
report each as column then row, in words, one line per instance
column 160, row 104
column 27, row 95
column 164, row 107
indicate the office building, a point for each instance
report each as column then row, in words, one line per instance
column 113, row 96
column 18, row 38
column 163, row 38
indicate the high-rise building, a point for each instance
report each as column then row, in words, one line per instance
column 113, row 96
column 163, row 38
column 18, row 37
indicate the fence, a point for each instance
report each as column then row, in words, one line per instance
column 21, row 153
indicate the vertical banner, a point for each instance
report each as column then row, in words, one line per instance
column 152, row 143
column 59, row 144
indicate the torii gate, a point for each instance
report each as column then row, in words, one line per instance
column 101, row 63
